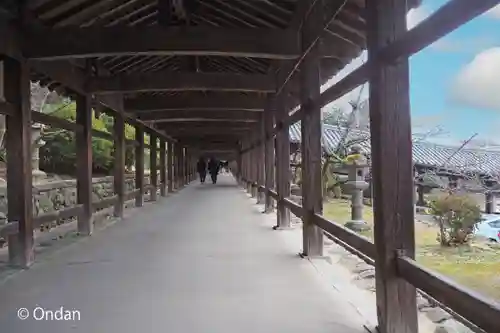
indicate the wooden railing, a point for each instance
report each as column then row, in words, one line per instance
column 470, row 308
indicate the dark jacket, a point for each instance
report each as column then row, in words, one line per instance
column 201, row 166
column 213, row 166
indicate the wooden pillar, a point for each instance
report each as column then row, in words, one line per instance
column 260, row 161
column 177, row 157
column 254, row 168
column 392, row 169
column 186, row 166
column 282, row 163
column 163, row 168
column 170, row 167
column 269, row 158
column 16, row 86
column 84, row 162
column 139, row 165
column 119, row 159
column 153, row 166
column 239, row 165
column 311, row 132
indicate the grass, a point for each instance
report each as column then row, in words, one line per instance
column 476, row 267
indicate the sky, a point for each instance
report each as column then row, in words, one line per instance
column 455, row 82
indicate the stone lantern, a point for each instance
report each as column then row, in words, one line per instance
column 357, row 166
column 36, row 132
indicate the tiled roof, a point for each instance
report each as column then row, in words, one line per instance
column 424, row 153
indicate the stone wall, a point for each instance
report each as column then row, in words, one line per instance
column 53, row 195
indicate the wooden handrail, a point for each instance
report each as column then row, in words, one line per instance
column 481, row 311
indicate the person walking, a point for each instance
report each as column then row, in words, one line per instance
column 213, row 168
column 201, row 166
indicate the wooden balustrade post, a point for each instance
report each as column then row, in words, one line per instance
column 153, row 166
column 16, row 86
column 139, row 165
column 392, row 169
column 163, row 168
column 282, row 163
column 255, row 170
column 311, row 132
column 260, row 161
column 170, row 167
column 84, row 161
column 119, row 159
column 239, row 166
column 186, row 166
column 269, row 156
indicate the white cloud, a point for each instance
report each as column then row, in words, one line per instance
column 477, row 83
column 494, row 12
column 415, row 16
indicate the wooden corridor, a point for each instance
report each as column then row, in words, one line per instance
column 203, row 260
column 225, row 78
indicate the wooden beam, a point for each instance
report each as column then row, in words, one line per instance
column 217, row 103
column 84, row 162
column 156, row 40
column 392, row 169
column 153, row 166
column 187, row 115
column 311, row 134
column 177, row 81
column 19, row 174
column 119, row 162
column 139, row 165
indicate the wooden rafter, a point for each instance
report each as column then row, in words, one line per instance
column 173, row 81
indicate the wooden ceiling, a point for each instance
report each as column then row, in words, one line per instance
column 198, row 69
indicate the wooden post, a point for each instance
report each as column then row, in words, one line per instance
column 269, row 158
column 254, row 170
column 260, row 161
column 239, row 166
column 392, row 169
column 16, row 86
column 170, row 169
column 153, row 166
column 139, row 165
column 178, row 160
column 84, row 162
column 311, row 132
column 282, row 163
column 163, row 168
column 186, row 166
column 119, row 167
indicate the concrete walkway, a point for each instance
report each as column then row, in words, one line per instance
column 199, row 261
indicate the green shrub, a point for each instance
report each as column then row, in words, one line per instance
column 457, row 215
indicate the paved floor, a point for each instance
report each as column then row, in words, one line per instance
column 198, row 261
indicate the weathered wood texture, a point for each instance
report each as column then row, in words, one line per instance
column 183, row 81
column 153, row 165
column 282, row 164
column 311, row 133
column 139, row 165
column 392, row 169
column 170, row 167
column 16, row 85
column 163, row 168
column 84, row 162
column 175, row 116
column 156, row 40
column 196, row 102
column 119, row 166
column 269, row 156
column 260, row 161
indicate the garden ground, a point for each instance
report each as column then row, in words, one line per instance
column 476, row 266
